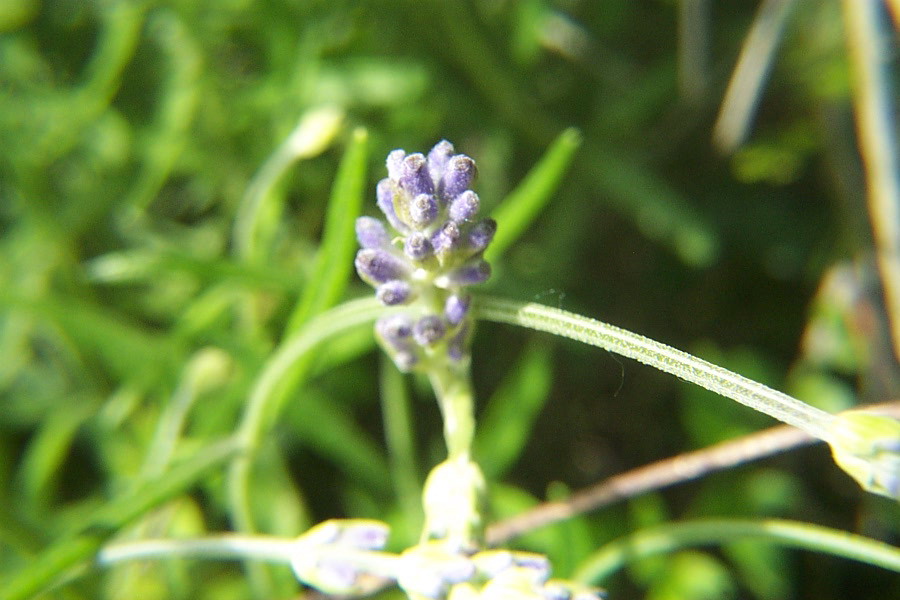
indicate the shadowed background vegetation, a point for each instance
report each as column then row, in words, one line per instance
column 132, row 134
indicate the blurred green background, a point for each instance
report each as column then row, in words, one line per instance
column 131, row 131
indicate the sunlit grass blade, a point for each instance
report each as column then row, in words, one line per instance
column 869, row 38
column 334, row 260
column 46, row 451
column 522, row 206
column 315, row 131
column 285, row 369
column 399, row 432
column 177, row 107
column 675, row 536
column 750, row 73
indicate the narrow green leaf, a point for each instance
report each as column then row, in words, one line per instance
column 704, row 532
column 522, row 206
column 46, row 452
column 334, row 260
column 506, row 424
column 326, row 426
column 399, row 432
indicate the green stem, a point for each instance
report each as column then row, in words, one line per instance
column 776, row 404
column 674, row 536
column 227, row 547
column 453, row 389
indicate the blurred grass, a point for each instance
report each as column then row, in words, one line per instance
column 130, row 136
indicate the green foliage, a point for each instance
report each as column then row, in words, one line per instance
column 157, row 203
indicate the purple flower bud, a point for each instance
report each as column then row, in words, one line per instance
column 481, row 234
column 429, row 330
column 459, row 345
column 384, row 193
column 395, row 330
column 394, row 162
column 537, row 562
column 335, row 574
column 417, row 246
column 437, row 159
column 362, row 534
column 464, row 207
column 456, row 307
column 446, row 238
column 458, row 175
column 423, row 210
column 393, row 292
column 414, row 176
column 472, row 272
column 380, row 266
column 371, row 233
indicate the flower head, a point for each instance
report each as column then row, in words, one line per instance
column 433, row 253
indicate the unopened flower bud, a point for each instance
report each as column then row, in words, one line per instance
column 456, row 307
column 395, row 334
column 380, row 266
column 423, row 210
column 371, row 233
column 428, row 330
column 417, row 246
column 473, row 272
column 394, row 164
column 394, row 292
column 394, row 329
column 437, row 159
column 458, row 347
column 464, row 207
column 446, row 238
column 481, row 234
column 414, row 176
column 384, row 194
column 458, row 176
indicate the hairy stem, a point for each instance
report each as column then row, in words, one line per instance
column 665, row 358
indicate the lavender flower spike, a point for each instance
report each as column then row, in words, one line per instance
column 434, row 252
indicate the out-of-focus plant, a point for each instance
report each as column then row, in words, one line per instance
column 172, row 288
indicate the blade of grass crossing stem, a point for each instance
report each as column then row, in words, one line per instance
column 283, row 372
column 334, row 260
column 399, row 433
column 506, row 425
column 522, row 206
column 675, row 536
column 51, row 564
